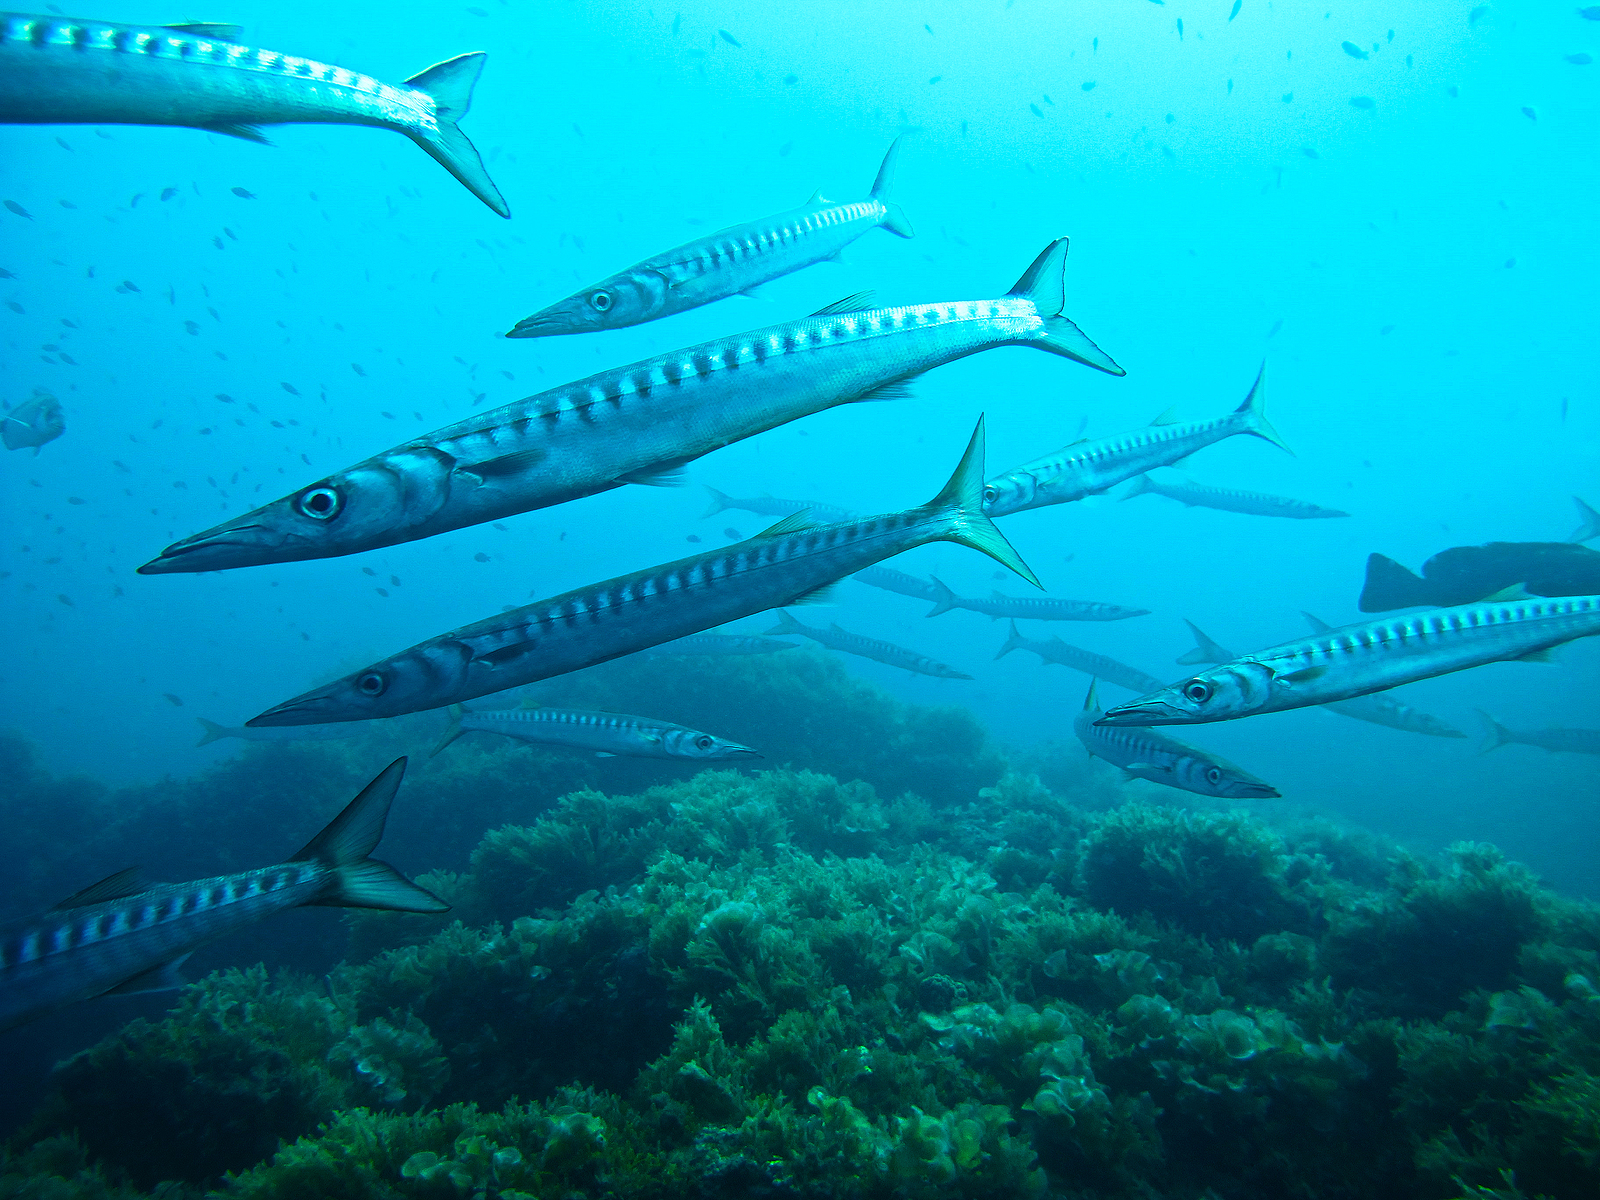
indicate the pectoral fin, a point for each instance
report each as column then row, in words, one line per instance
column 1303, row 675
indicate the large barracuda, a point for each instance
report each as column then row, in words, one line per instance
column 54, row 70
column 120, row 936
column 1359, row 659
column 1056, row 652
column 887, row 653
column 1087, row 468
column 606, row 734
column 790, row 561
column 726, row 263
column 638, row 424
column 1376, row 709
column 1146, row 754
column 1029, row 608
column 1191, row 494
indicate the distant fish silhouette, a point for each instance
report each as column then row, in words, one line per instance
column 1464, row 574
column 33, row 422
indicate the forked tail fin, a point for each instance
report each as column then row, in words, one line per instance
column 719, row 502
column 1588, row 523
column 1495, row 734
column 1139, row 485
column 1014, row 641
column 1390, row 586
column 355, row 880
column 786, row 624
column 1253, row 410
column 452, row 731
column 943, row 598
column 213, row 732
column 1044, row 283
column 894, row 219
column 961, row 503
column 450, row 83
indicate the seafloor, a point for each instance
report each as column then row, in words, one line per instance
column 897, row 962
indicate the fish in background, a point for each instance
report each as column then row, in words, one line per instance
column 730, row 262
column 1089, row 468
column 835, row 638
column 1463, row 574
column 719, row 644
column 1056, row 652
column 637, row 424
column 1556, row 740
column 772, row 506
column 1029, row 608
column 1359, row 659
column 1376, row 709
column 1203, row 495
column 887, row 579
column 1588, row 523
column 56, row 70
column 791, row 562
column 608, row 735
column 33, row 422
column 1145, row 754
column 212, row 732
column 122, row 935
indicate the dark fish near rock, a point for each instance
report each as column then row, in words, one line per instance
column 1464, row 574
column 33, row 422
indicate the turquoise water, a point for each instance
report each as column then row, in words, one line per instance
column 1390, row 204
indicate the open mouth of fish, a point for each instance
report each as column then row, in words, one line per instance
column 1154, row 712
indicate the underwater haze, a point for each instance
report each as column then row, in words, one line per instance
column 1391, row 205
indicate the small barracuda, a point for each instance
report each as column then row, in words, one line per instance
column 1555, row 740
column 731, row 261
column 608, row 735
column 1061, row 654
column 54, row 70
column 888, row 653
column 212, row 732
column 639, row 424
column 1359, row 659
column 1088, row 468
column 1202, row 495
column 1030, row 608
column 721, row 644
column 889, row 580
column 772, row 506
column 1376, row 709
column 577, row 629
column 1146, row 754
column 122, row 936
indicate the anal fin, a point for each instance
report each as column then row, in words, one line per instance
column 669, row 474
column 248, row 133
column 165, row 977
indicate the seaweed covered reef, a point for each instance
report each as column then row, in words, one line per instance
column 779, row 985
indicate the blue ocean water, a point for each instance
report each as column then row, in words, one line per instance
column 1391, row 204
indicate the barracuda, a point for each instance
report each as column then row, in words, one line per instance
column 1359, row 659
column 1029, row 608
column 772, row 506
column 1146, row 754
column 846, row 642
column 1191, row 494
column 887, row 579
column 57, row 71
column 119, row 936
column 639, row 424
column 1056, row 652
column 608, row 735
column 726, row 263
column 1087, row 468
column 788, row 562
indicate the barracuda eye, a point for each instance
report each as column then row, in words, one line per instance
column 989, row 494
column 601, row 301
column 1214, row 776
column 703, row 742
column 372, row 684
column 319, row 503
column 1197, row 690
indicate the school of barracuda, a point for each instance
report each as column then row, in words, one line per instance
column 643, row 423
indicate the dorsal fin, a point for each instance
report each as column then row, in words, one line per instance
column 857, row 302
column 818, row 198
column 1167, row 418
column 112, row 887
column 1318, row 625
column 210, row 29
column 1515, row 591
column 1089, row 704
column 529, row 703
column 793, row 523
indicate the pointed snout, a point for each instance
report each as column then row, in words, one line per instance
column 313, row 708
column 243, row 545
column 1144, row 711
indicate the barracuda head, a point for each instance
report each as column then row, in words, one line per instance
column 1009, row 493
column 427, row 676
column 376, row 503
column 1235, row 689
column 1216, row 777
column 614, row 303
column 690, row 743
